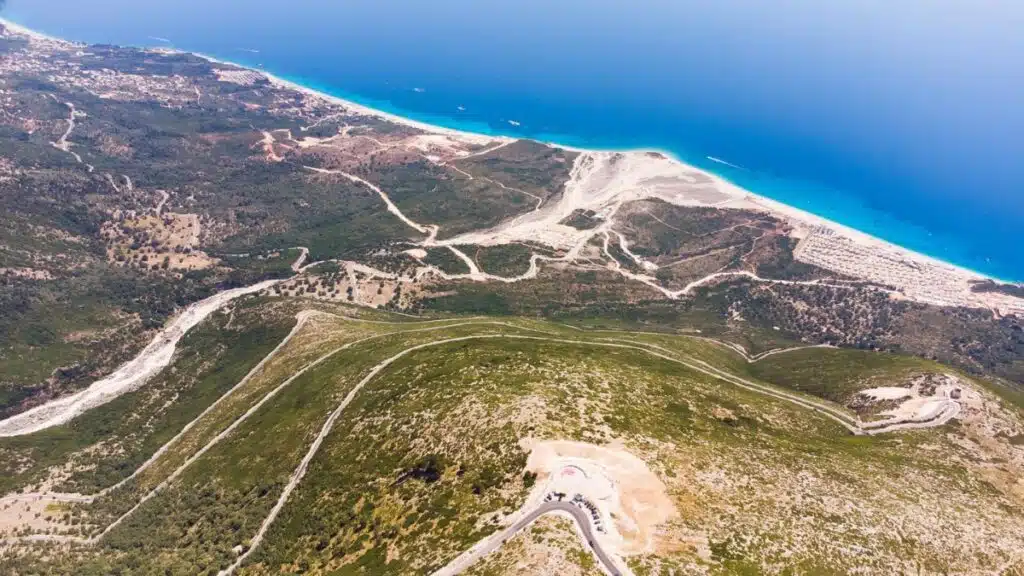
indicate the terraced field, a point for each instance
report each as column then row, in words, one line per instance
column 385, row 445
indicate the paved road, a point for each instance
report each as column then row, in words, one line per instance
column 493, row 543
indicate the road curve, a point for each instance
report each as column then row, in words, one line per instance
column 493, row 542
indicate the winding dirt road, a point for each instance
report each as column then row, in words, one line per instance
column 540, row 222
column 851, row 423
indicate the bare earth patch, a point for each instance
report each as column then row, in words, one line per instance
column 629, row 495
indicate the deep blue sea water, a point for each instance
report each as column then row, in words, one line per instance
column 903, row 119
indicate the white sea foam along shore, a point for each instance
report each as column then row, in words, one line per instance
column 830, row 245
column 657, row 173
column 153, row 358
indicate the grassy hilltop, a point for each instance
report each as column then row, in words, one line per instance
column 428, row 454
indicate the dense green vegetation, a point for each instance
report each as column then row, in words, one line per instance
column 505, row 260
column 782, row 264
column 254, row 267
column 433, row 194
column 211, row 359
column 760, row 317
column 73, row 327
column 837, row 375
column 656, row 228
column 78, row 317
column 602, row 299
column 527, row 165
column 582, row 220
column 332, row 217
column 553, row 294
column 424, row 455
column 446, row 261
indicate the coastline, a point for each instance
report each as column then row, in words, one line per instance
column 19, row 29
column 793, row 214
column 354, row 107
column 798, row 217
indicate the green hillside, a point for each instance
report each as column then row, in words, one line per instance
column 406, row 442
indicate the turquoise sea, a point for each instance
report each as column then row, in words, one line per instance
column 903, row 119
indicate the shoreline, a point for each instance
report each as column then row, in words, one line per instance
column 19, row 29
column 794, row 215
column 352, row 106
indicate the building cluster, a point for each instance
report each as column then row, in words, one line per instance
column 115, row 85
column 917, row 278
column 104, row 82
column 243, row 77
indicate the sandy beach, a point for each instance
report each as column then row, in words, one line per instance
column 832, row 245
column 790, row 213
